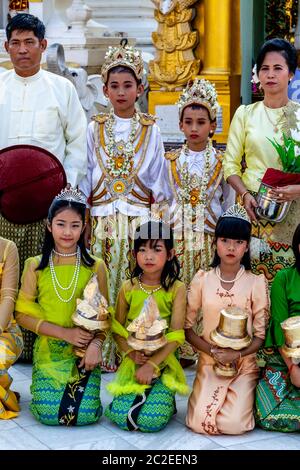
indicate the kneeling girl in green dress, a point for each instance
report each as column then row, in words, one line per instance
column 65, row 389
column 145, row 385
column 278, row 391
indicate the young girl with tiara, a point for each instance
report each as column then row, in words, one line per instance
column 65, row 390
column 199, row 193
column 224, row 405
column 125, row 168
column 11, row 342
column 145, row 386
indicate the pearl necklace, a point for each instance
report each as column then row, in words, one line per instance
column 145, row 290
column 74, row 280
column 237, row 277
column 64, row 254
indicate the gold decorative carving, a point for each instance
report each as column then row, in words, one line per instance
column 173, row 18
column 175, row 64
column 18, row 5
column 186, row 41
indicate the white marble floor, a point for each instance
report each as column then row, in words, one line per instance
column 26, row 433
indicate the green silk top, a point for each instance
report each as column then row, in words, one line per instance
column 135, row 299
column 37, row 296
column 285, row 303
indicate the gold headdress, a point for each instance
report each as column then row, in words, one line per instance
column 124, row 55
column 71, row 194
column 18, row 5
column 237, row 211
column 200, row 91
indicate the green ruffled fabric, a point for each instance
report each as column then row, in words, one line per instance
column 172, row 375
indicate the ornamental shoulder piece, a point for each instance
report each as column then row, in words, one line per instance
column 172, row 154
column 147, row 119
column 101, row 117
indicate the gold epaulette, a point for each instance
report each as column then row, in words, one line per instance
column 147, row 119
column 101, row 117
column 172, row 154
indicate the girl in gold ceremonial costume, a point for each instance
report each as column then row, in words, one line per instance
column 65, row 390
column 11, row 342
column 199, row 193
column 251, row 128
column 145, row 385
column 223, row 404
column 125, row 169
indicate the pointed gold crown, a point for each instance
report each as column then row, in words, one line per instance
column 237, row 211
column 72, row 195
column 124, row 55
column 200, row 91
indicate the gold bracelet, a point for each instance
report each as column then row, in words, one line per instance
column 243, row 195
column 156, row 367
column 38, row 326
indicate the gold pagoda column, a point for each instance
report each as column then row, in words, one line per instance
column 221, row 57
column 175, row 63
column 217, row 28
column 218, row 52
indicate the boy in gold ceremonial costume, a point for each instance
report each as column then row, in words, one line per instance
column 125, row 168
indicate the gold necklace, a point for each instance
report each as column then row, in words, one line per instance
column 275, row 125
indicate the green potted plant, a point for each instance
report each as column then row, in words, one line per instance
column 289, row 153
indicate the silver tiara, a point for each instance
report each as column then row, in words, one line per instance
column 72, row 195
column 237, row 211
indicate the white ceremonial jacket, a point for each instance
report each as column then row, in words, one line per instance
column 44, row 110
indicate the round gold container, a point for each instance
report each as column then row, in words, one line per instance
column 148, row 344
column 291, row 331
column 230, row 333
column 229, row 370
column 232, row 329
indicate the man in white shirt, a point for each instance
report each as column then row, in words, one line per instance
column 39, row 107
column 42, row 109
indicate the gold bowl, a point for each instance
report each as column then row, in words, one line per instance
column 232, row 329
column 148, row 344
column 230, row 333
column 291, row 330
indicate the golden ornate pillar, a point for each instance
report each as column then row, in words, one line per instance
column 175, row 63
column 222, row 57
column 217, row 27
column 174, row 41
column 218, row 50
